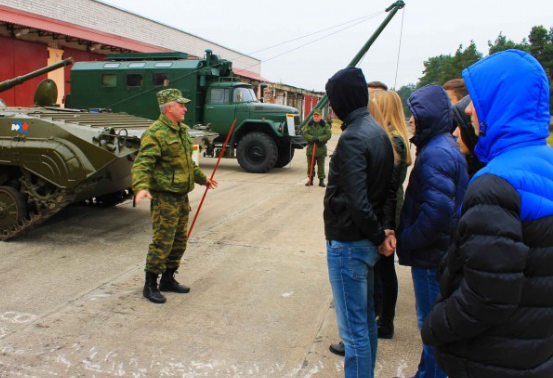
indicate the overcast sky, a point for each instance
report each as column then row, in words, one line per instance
column 430, row 28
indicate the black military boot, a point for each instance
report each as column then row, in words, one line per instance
column 322, row 183
column 169, row 283
column 309, row 182
column 151, row 291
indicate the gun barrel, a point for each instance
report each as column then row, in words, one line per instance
column 8, row 84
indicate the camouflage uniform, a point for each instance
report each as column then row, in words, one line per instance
column 322, row 131
column 164, row 166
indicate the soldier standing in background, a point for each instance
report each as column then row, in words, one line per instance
column 317, row 132
column 165, row 173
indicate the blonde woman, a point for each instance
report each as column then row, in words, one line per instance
column 375, row 112
column 393, row 120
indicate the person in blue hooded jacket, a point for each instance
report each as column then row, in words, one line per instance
column 494, row 316
column 432, row 200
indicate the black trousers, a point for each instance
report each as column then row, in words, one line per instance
column 386, row 289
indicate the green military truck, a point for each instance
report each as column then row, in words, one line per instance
column 265, row 135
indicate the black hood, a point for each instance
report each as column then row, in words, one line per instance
column 347, row 91
column 462, row 120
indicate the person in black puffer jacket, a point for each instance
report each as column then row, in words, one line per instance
column 494, row 315
column 431, row 209
column 357, row 198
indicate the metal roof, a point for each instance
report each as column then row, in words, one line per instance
column 35, row 21
column 250, row 75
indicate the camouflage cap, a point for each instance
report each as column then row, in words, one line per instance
column 167, row 95
column 318, row 112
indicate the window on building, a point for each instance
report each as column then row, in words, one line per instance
column 134, row 80
column 160, row 79
column 109, row 80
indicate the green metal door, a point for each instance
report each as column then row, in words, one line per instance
column 219, row 112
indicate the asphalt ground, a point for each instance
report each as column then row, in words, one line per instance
column 260, row 305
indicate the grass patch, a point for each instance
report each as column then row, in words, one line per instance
column 550, row 140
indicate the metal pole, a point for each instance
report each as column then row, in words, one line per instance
column 212, row 175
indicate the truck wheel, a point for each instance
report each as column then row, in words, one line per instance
column 285, row 156
column 13, row 207
column 257, row 152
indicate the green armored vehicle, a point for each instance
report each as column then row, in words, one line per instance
column 265, row 135
column 51, row 157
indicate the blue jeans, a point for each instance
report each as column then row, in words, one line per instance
column 351, row 273
column 427, row 289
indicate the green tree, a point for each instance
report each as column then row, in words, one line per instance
column 541, row 47
column 539, row 44
column 433, row 70
column 501, row 43
column 404, row 92
column 463, row 59
column 439, row 69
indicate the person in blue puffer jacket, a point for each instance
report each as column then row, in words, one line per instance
column 433, row 197
column 494, row 315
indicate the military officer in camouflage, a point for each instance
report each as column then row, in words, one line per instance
column 165, row 173
column 317, row 132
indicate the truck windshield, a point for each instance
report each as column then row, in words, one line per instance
column 242, row 94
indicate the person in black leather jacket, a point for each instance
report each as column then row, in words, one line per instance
column 357, row 199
